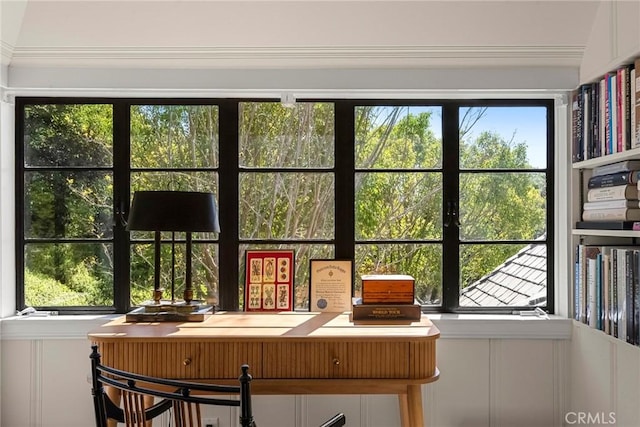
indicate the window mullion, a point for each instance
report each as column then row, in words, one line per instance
column 121, row 192
column 450, row 205
column 345, row 179
column 228, row 205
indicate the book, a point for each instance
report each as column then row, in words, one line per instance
column 623, row 166
column 612, row 204
column 619, row 214
column 577, row 119
column 382, row 312
column 606, row 225
column 637, row 101
column 628, row 191
column 613, row 179
column 635, row 131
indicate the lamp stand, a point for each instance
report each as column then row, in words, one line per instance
column 157, row 292
column 188, row 292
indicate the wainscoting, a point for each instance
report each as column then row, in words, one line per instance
column 520, row 376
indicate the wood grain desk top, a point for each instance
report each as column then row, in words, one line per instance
column 268, row 327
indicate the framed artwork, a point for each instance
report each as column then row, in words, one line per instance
column 330, row 285
column 269, row 280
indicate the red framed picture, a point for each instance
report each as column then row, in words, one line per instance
column 268, row 280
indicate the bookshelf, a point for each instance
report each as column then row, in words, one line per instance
column 606, row 263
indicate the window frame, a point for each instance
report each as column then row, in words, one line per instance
column 229, row 171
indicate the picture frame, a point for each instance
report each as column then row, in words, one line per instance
column 330, row 285
column 269, row 278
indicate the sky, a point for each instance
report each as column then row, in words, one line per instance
column 528, row 123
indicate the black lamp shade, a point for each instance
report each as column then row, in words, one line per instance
column 173, row 211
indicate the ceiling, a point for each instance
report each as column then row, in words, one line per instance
column 294, row 34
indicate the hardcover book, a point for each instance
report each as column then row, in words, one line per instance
column 620, row 214
column 612, row 204
column 611, row 180
column 607, row 225
column 624, row 166
column 628, row 191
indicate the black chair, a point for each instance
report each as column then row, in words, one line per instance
column 183, row 397
column 145, row 398
column 337, row 420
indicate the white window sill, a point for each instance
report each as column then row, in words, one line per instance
column 452, row 326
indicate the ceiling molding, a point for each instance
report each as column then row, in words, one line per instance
column 313, row 56
column 6, row 52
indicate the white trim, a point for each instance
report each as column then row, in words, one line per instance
column 288, row 56
column 301, row 83
column 452, row 326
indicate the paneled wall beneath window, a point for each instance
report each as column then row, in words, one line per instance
column 484, row 382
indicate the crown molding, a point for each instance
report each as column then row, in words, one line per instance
column 6, row 53
column 296, row 56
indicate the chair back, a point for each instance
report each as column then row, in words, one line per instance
column 145, row 397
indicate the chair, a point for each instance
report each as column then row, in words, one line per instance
column 183, row 397
column 145, row 398
column 337, row 420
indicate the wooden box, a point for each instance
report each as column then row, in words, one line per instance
column 388, row 289
column 383, row 312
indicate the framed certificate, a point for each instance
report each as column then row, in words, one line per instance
column 330, row 285
column 268, row 280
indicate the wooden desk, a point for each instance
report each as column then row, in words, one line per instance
column 288, row 353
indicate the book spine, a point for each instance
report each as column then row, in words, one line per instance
column 591, row 292
column 613, row 168
column 611, row 180
column 626, row 100
column 629, row 192
column 635, row 131
column 576, row 120
column 608, row 111
column 612, row 204
column 614, row 293
column 619, row 112
column 620, row 214
column 622, row 279
column 629, row 296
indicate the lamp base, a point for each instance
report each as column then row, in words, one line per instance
column 168, row 311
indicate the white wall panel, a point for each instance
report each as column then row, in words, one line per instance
column 627, row 384
column 522, row 383
column 481, row 384
column 64, row 383
column 605, row 377
column 16, row 375
column 461, row 395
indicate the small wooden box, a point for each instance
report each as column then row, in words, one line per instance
column 388, row 289
column 383, row 312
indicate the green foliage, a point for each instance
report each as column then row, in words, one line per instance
column 393, row 200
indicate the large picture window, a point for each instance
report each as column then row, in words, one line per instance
column 457, row 194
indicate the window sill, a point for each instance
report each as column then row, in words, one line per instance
column 452, row 326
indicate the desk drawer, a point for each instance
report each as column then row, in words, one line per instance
column 335, row 360
column 185, row 360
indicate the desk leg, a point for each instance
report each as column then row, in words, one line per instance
column 414, row 397
column 404, row 410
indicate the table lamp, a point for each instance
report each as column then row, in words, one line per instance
column 185, row 211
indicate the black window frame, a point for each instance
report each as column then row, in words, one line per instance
column 229, row 171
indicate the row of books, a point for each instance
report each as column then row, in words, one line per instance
column 604, row 114
column 607, row 290
column 612, row 193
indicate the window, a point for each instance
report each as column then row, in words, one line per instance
column 455, row 193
